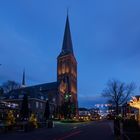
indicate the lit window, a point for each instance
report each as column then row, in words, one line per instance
column 29, row 105
column 20, row 96
column 11, row 97
column 41, row 97
column 37, row 104
column 41, row 105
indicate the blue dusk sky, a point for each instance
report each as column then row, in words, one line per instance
column 105, row 34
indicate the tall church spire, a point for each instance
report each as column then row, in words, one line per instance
column 67, row 68
column 23, row 79
column 67, row 41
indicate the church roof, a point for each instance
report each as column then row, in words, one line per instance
column 37, row 91
column 67, row 47
column 46, row 86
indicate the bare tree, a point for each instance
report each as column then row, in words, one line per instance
column 118, row 92
column 9, row 86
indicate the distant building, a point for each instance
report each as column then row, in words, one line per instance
column 84, row 114
column 131, row 109
column 54, row 92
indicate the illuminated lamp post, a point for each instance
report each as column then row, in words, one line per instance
column 135, row 103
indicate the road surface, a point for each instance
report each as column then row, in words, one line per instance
column 97, row 130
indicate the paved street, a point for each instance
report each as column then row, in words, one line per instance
column 97, row 130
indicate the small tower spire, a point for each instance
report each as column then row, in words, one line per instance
column 23, row 79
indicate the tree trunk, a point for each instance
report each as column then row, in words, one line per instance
column 117, row 121
column 117, row 109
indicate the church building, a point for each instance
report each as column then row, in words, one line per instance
column 55, row 92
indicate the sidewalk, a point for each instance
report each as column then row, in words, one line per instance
column 132, row 136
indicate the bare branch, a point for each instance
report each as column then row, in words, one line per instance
column 118, row 92
column 9, row 86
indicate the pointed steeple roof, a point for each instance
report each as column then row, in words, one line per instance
column 23, row 79
column 67, row 41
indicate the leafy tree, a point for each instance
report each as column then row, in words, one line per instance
column 118, row 92
column 47, row 110
column 9, row 86
column 24, row 112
